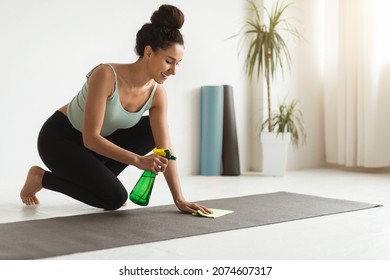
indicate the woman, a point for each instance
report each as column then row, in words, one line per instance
column 88, row 142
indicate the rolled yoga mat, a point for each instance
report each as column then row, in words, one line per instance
column 230, row 154
column 211, row 130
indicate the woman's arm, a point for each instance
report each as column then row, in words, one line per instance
column 160, row 129
column 101, row 85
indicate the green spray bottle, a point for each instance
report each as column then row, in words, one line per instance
column 143, row 189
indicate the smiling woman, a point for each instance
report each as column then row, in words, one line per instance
column 88, row 142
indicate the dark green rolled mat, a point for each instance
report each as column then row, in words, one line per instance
column 230, row 153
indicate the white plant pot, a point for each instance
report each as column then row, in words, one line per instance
column 275, row 153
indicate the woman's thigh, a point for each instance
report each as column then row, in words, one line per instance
column 75, row 169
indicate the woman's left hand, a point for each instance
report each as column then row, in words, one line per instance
column 191, row 207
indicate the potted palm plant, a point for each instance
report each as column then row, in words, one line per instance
column 287, row 126
column 267, row 53
column 288, row 118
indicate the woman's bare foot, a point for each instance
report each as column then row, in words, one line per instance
column 32, row 185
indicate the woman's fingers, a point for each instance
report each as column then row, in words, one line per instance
column 159, row 164
column 203, row 209
column 190, row 207
column 163, row 163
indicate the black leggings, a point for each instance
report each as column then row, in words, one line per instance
column 81, row 173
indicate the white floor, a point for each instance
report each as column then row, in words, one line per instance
column 359, row 235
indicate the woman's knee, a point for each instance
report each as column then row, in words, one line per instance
column 115, row 202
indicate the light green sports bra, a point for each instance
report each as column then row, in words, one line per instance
column 115, row 117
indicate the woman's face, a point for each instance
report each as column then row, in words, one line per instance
column 163, row 63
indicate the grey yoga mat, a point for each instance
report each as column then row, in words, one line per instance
column 66, row 235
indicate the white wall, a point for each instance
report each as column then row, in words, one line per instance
column 306, row 82
column 303, row 82
column 47, row 47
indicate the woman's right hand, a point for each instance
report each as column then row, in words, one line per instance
column 152, row 162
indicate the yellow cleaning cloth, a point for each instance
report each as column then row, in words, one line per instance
column 216, row 213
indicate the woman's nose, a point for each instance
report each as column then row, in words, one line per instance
column 172, row 69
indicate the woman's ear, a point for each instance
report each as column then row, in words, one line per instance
column 148, row 51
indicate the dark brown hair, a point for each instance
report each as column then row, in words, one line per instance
column 163, row 31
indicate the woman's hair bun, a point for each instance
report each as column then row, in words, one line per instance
column 169, row 16
column 162, row 32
